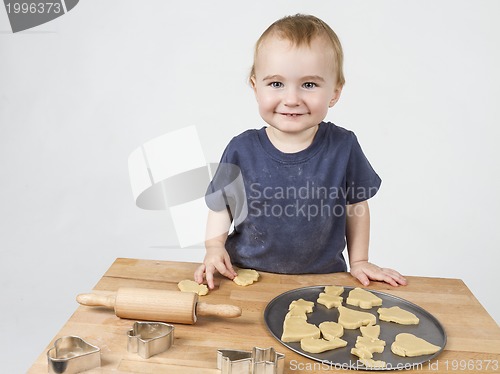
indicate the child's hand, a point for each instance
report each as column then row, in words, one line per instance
column 216, row 259
column 364, row 271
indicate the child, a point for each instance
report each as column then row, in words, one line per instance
column 306, row 182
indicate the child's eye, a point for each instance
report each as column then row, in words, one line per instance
column 276, row 84
column 309, row 85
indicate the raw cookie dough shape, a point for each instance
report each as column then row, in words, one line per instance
column 331, row 330
column 371, row 345
column 314, row 345
column 299, row 308
column 246, row 277
column 188, row 285
column 365, row 348
column 362, row 298
column 334, row 290
column 361, row 353
column 398, row 315
column 329, row 300
column 409, row 345
column 352, row 319
column 372, row 332
column 306, row 306
column 295, row 329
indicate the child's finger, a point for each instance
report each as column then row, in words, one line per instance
column 397, row 277
column 390, row 280
column 209, row 275
column 382, row 276
column 363, row 278
column 400, row 278
column 221, row 268
column 230, row 268
column 198, row 274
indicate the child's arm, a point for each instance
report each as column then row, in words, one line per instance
column 358, row 236
column 216, row 258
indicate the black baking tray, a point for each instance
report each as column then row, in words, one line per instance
column 429, row 328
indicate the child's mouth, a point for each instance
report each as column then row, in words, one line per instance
column 291, row 114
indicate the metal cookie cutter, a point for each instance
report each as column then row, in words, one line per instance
column 150, row 338
column 257, row 361
column 72, row 354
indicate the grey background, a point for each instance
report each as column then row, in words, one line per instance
column 79, row 94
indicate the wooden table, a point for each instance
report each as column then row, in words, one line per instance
column 473, row 336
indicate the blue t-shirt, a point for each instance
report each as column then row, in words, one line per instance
column 289, row 209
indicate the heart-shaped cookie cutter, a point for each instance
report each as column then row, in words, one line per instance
column 72, row 354
column 150, row 338
column 256, row 361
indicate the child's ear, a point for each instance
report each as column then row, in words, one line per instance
column 252, row 82
column 335, row 97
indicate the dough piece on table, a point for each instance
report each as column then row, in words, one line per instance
column 373, row 364
column 362, row 298
column 334, row 290
column 352, row 319
column 331, row 330
column 372, row 332
column 409, row 345
column 188, row 285
column 295, row 329
column 361, row 353
column 306, row 306
column 329, row 300
column 313, row 345
column 246, row 277
column 398, row 315
column 371, row 345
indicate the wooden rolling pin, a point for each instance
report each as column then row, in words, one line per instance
column 158, row 305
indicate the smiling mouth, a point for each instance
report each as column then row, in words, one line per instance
column 292, row 114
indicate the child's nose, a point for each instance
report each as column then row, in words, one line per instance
column 291, row 97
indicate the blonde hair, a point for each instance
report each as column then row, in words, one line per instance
column 301, row 29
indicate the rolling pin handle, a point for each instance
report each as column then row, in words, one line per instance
column 219, row 310
column 90, row 299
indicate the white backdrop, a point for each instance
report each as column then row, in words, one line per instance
column 79, row 94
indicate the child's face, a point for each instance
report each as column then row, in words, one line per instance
column 294, row 86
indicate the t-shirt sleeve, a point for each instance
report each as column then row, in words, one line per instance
column 362, row 182
column 216, row 196
column 226, row 191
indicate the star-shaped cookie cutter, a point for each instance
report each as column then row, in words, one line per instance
column 150, row 338
column 257, row 361
column 72, row 354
